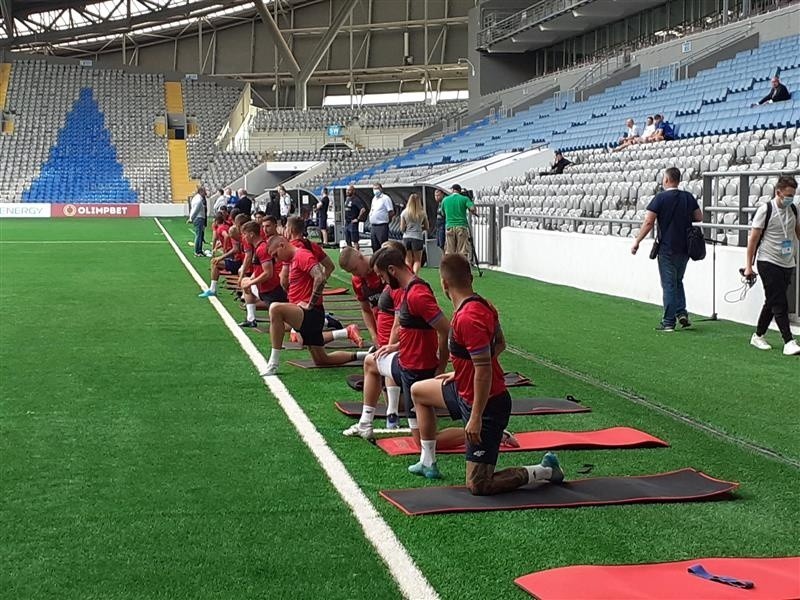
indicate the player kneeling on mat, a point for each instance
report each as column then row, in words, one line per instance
column 304, row 311
column 475, row 392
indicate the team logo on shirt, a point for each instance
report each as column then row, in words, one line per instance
column 70, row 210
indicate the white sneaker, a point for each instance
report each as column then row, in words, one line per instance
column 791, row 348
column 358, row 430
column 272, row 369
column 758, row 341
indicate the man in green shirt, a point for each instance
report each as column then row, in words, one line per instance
column 455, row 207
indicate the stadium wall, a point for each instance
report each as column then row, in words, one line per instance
column 605, row 265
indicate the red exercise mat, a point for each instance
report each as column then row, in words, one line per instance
column 615, row 437
column 334, row 291
column 774, row 579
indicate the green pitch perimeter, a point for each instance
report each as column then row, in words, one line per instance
column 142, row 457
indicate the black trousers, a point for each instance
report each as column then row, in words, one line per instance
column 776, row 280
column 378, row 235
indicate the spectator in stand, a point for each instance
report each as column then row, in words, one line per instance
column 675, row 211
column 558, row 166
column 414, row 225
column 664, row 131
column 381, row 212
column 778, row 93
column 220, row 201
column 355, row 211
column 198, row 214
column 649, row 130
column 287, row 204
column 631, row 136
column 244, row 203
column 322, row 216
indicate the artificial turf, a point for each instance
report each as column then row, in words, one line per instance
column 146, row 459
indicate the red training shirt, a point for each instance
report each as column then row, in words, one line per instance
column 419, row 347
column 261, row 256
column 315, row 249
column 301, row 283
column 474, row 327
column 384, row 319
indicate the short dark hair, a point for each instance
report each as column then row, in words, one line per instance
column 558, row 153
column 673, row 174
column 786, row 181
column 397, row 245
column 456, row 187
column 295, row 225
column 387, row 257
column 456, row 270
column 250, row 227
column 324, row 190
column 658, row 117
column 259, row 213
column 270, row 219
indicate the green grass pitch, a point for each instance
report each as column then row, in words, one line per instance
column 142, row 457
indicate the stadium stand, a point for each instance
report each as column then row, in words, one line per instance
column 211, row 104
column 227, row 167
column 372, row 116
column 41, row 94
column 716, row 101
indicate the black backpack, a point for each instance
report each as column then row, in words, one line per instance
column 769, row 217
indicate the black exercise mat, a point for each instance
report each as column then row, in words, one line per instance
column 512, row 379
column 519, row 406
column 678, row 486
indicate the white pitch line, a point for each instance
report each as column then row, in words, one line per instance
column 409, row 578
column 83, row 242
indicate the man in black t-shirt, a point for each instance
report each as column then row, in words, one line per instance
column 244, row 203
column 354, row 212
column 675, row 210
column 322, row 216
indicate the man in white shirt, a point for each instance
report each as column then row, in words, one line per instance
column 774, row 235
column 222, row 200
column 198, row 212
column 381, row 212
column 631, row 135
column 286, row 204
column 649, row 130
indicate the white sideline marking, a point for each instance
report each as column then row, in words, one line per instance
column 409, row 578
column 83, row 242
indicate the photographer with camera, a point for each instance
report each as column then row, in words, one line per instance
column 773, row 237
column 675, row 211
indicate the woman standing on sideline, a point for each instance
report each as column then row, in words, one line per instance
column 414, row 224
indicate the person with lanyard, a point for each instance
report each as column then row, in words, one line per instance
column 474, row 393
column 417, row 348
column 304, row 311
column 455, row 208
column 355, row 211
column 322, row 216
column 381, row 212
column 773, row 239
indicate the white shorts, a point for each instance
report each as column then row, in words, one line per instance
column 384, row 364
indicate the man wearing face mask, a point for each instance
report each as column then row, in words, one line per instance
column 380, row 213
column 774, row 236
column 417, row 345
column 354, row 212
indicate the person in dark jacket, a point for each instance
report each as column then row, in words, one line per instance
column 778, row 93
column 557, row 168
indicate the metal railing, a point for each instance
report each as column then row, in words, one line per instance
column 525, row 19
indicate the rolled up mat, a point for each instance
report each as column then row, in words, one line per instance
column 774, row 579
column 602, row 439
column 678, row 486
column 512, row 379
column 307, row 363
column 519, row 406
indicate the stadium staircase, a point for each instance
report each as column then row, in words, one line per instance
column 181, row 184
column 6, row 125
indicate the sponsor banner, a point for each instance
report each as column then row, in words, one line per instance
column 23, row 210
column 95, row 210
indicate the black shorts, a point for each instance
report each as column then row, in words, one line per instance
column 351, row 233
column 276, row 295
column 413, row 244
column 322, row 222
column 494, row 422
column 406, row 378
column 313, row 324
column 232, row 266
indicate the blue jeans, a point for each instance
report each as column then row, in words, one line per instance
column 199, row 234
column 672, row 267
